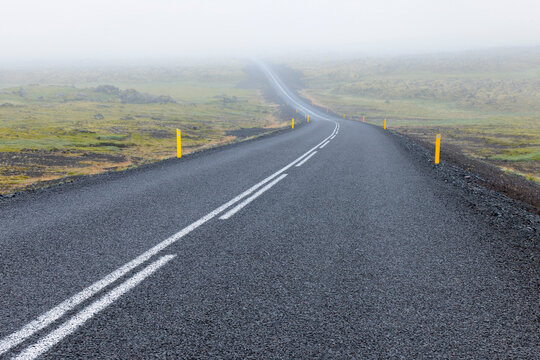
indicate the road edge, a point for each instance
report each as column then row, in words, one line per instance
column 71, row 182
column 520, row 222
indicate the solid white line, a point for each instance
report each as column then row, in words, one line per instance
column 300, row 104
column 332, row 137
column 60, row 310
column 323, row 145
column 306, row 159
column 239, row 207
column 85, row 314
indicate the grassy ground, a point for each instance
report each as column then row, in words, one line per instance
column 57, row 123
column 487, row 104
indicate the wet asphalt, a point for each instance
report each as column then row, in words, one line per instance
column 358, row 253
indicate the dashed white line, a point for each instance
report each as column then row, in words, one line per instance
column 323, row 145
column 49, row 317
column 76, row 321
column 239, row 207
column 306, row 159
column 60, row 310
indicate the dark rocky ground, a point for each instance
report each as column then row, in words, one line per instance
column 519, row 220
column 436, row 265
column 510, row 202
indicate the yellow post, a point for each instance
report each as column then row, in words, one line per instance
column 293, row 123
column 297, row 111
column 344, row 116
column 178, row 143
column 385, row 124
column 437, row 148
column 307, row 118
column 364, row 118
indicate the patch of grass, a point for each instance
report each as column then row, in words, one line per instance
column 519, row 155
column 63, row 126
column 488, row 104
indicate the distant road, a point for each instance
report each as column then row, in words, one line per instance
column 329, row 240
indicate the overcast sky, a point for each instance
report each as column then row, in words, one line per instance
column 161, row 29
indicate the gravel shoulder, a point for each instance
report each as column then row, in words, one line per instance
column 493, row 197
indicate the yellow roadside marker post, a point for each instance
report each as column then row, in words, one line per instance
column 364, row 118
column 178, row 143
column 307, row 118
column 293, row 123
column 384, row 124
column 437, row 148
column 297, row 111
column 344, row 116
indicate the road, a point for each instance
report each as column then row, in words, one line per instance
column 329, row 240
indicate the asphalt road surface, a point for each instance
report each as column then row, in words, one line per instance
column 326, row 241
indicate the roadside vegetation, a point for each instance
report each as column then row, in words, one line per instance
column 62, row 123
column 487, row 104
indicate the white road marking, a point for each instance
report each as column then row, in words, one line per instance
column 323, row 145
column 239, row 207
column 305, row 159
column 60, row 310
column 88, row 312
column 49, row 317
column 332, row 137
column 299, row 104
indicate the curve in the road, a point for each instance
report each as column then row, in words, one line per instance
column 56, row 313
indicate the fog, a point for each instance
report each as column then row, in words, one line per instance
column 64, row 30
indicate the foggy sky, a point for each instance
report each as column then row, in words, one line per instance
column 34, row 30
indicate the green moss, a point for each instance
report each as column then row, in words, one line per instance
column 519, row 155
column 485, row 106
column 68, row 120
